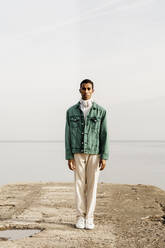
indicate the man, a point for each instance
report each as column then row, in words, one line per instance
column 86, row 149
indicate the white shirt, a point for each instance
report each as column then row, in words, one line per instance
column 85, row 106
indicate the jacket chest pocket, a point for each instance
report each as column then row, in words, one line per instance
column 95, row 123
column 74, row 121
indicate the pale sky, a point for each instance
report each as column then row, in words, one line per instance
column 48, row 47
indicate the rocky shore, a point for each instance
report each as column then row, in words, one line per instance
column 126, row 216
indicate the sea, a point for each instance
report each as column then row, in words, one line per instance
column 130, row 162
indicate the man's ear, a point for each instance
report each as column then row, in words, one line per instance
column 93, row 90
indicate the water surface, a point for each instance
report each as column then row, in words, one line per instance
column 130, row 162
column 17, row 233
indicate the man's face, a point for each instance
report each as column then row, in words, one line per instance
column 86, row 91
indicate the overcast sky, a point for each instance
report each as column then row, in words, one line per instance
column 48, row 47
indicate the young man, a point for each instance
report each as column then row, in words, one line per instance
column 86, row 149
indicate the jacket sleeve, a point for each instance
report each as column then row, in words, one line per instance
column 68, row 151
column 104, row 138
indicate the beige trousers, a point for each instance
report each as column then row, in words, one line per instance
column 86, row 175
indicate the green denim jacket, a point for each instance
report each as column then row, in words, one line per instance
column 86, row 136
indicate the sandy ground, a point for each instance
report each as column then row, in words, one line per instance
column 131, row 216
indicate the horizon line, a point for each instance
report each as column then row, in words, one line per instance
column 62, row 141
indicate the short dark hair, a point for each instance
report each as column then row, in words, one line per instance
column 86, row 81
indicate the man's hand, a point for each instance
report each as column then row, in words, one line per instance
column 102, row 164
column 71, row 164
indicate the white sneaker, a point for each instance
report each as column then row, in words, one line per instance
column 80, row 222
column 89, row 223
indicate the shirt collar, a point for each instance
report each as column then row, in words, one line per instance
column 86, row 103
column 93, row 104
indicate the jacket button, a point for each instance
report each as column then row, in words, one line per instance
column 82, row 142
column 82, row 133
